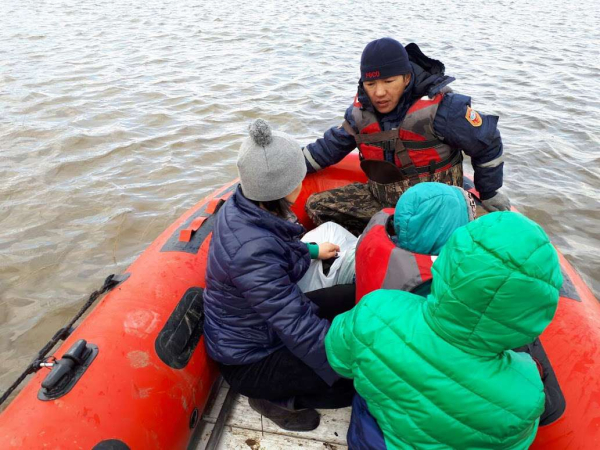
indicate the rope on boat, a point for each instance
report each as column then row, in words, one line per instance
column 63, row 333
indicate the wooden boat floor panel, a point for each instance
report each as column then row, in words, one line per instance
column 244, row 429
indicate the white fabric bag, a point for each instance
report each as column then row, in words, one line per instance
column 342, row 270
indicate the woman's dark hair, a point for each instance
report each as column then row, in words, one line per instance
column 281, row 208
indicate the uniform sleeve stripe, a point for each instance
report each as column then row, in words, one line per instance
column 315, row 165
column 493, row 163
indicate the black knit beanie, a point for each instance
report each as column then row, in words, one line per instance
column 383, row 58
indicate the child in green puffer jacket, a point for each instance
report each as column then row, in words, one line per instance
column 438, row 372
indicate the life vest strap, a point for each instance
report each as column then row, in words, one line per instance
column 420, row 145
column 385, row 172
column 375, row 138
column 432, row 167
column 390, row 135
column 408, row 166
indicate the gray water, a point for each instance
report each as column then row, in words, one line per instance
column 116, row 117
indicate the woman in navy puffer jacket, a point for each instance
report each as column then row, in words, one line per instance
column 266, row 335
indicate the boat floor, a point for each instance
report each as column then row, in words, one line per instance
column 245, row 429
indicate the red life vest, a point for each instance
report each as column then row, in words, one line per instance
column 414, row 143
column 380, row 264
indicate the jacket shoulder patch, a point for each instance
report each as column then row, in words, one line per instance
column 473, row 117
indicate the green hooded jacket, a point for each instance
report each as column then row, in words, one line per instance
column 438, row 372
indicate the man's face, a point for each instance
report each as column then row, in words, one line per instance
column 386, row 92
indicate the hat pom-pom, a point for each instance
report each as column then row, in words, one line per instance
column 260, row 131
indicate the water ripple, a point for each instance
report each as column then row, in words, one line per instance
column 118, row 116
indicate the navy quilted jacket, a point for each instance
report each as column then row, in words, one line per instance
column 252, row 304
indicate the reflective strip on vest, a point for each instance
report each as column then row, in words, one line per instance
column 380, row 264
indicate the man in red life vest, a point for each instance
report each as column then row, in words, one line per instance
column 409, row 127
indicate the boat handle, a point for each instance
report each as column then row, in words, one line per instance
column 67, row 371
column 186, row 234
column 74, row 356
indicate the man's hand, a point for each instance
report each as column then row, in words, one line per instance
column 498, row 202
column 328, row 250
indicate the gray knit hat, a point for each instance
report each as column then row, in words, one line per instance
column 270, row 163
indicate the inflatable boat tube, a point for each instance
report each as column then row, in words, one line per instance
column 135, row 375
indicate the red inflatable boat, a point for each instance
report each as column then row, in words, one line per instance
column 134, row 374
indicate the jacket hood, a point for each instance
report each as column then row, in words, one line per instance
column 495, row 285
column 428, row 78
column 429, row 73
column 427, row 214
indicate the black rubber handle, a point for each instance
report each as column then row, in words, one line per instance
column 60, row 369
column 77, row 352
column 73, row 357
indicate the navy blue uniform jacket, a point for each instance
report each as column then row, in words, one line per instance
column 483, row 144
column 252, row 303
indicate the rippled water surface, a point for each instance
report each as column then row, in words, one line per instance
column 116, row 117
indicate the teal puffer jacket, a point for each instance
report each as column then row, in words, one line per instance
column 438, row 372
column 427, row 214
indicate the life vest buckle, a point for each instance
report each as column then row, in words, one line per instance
column 409, row 172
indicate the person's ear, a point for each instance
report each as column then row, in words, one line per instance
column 407, row 79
